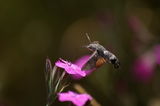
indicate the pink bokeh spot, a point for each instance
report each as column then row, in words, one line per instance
column 72, row 69
column 143, row 68
column 76, row 99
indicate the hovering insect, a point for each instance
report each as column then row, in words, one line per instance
column 99, row 56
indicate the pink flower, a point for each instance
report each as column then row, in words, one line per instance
column 72, row 69
column 142, row 36
column 143, row 68
column 76, row 99
column 75, row 70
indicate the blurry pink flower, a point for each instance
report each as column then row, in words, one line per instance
column 142, row 36
column 76, row 99
column 72, row 69
column 143, row 68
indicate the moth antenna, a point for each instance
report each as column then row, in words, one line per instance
column 88, row 37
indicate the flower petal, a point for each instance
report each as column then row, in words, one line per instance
column 70, row 68
column 76, row 99
column 82, row 60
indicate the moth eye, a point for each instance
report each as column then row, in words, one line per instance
column 113, row 61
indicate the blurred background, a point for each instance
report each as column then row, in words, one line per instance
column 31, row 30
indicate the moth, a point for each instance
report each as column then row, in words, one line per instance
column 99, row 56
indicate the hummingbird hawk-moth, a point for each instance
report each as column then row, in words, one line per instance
column 99, row 56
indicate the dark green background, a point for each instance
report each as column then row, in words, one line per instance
column 31, row 30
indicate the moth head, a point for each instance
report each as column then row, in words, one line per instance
column 92, row 46
column 115, row 62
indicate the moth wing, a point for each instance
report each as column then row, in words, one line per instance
column 91, row 63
